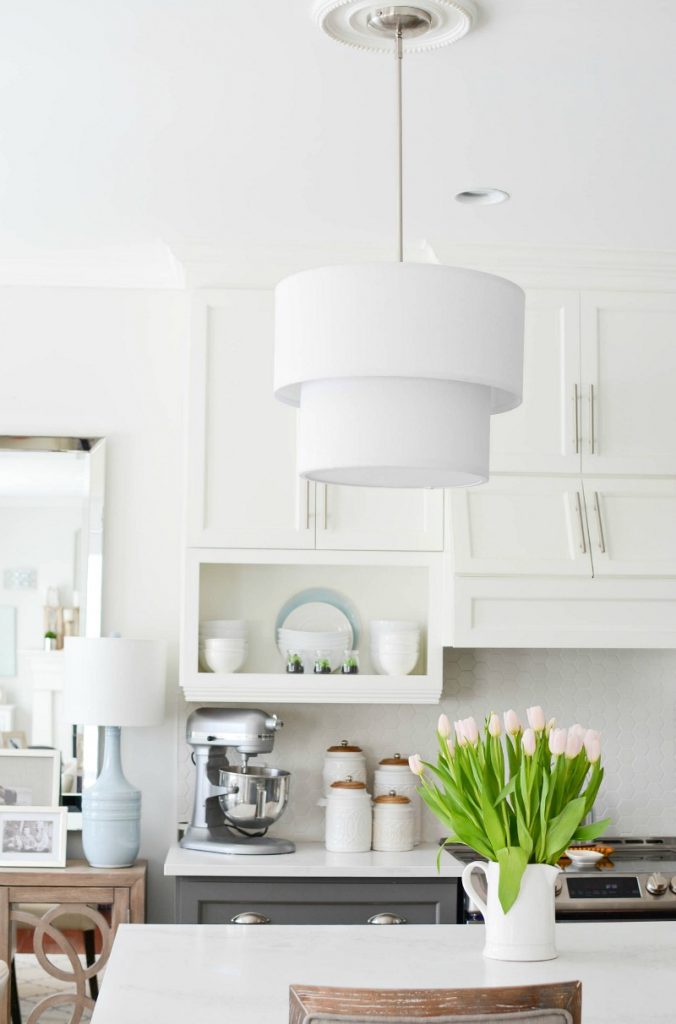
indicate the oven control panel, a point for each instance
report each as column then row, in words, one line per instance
column 594, row 891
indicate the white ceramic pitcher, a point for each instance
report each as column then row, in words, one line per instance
column 526, row 931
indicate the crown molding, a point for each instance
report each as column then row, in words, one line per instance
column 206, row 266
column 565, row 267
column 146, row 267
column 191, row 266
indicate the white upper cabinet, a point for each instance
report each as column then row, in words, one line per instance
column 520, row 526
column 629, row 383
column 632, row 526
column 543, row 434
column 243, row 490
column 379, row 519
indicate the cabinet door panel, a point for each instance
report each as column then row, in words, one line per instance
column 540, row 436
column 632, row 525
column 629, row 359
column 521, row 526
column 379, row 519
column 243, row 489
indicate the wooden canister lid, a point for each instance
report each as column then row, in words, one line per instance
column 344, row 748
column 391, row 798
column 397, row 760
column 348, row 784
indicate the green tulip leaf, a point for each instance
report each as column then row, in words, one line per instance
column 512, row 861
column 586, row 833
column 563, row 827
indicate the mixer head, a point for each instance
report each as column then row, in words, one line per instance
column 249, row 730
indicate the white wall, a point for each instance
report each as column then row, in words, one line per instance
column 629, row 695
column 111, row 363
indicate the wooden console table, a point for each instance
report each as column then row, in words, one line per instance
column 76, row 889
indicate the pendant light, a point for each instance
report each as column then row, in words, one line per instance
column 397, row 367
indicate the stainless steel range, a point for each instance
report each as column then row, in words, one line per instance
column 637, row 881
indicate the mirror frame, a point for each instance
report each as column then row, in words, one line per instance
column 93, row 587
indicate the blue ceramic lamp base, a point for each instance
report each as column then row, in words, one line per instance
column 111, row 812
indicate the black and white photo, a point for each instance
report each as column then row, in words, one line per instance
column 33, row 836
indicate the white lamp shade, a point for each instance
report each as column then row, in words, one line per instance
column 390, row 432
column 114, row 681
column 409, row 320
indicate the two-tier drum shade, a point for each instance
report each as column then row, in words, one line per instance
column 397, row 368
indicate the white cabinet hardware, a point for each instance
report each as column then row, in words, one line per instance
column 576, row 414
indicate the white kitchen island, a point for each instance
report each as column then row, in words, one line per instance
column 217, row 973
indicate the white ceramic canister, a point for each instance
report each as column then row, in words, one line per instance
column 394, row 773
column 393, row 823
column 343, row 760
column 348, row 817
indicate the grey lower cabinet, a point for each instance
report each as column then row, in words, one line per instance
column 317, row 901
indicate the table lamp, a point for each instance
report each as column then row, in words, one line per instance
column 113, row 682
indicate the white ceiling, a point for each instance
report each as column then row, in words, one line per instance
column 130, row 122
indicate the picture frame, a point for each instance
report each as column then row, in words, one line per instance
column 33, row 837
column 15, row 740
column 30, row 778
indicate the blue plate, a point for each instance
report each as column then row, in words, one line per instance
column 322, row 594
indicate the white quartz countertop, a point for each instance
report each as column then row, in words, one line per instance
column 312, row 860
column 212, row 973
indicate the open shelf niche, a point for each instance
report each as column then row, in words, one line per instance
column 253, row 585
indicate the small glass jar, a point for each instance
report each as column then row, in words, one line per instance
column 350, row 666
column 294, row 663
column 323, row 663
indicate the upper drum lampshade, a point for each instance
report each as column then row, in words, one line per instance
column 397, row 368
column 114, row 681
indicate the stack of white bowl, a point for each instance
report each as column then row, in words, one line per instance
column 311, row 644
column 395, row 646
column 223, row 645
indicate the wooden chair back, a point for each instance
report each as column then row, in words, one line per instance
column 530, row 1004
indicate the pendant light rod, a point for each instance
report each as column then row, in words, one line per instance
column 399, row 22
column 399, row 55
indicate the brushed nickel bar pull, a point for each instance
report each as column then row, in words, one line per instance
column 307, row 504
column 599, row 520
column 326, row 506
column 578, row 505
column 592, row 425
column 576, row 407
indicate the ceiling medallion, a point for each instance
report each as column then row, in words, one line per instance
column 397, row 367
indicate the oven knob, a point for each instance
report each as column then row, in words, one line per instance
column 558, row 886
column 657, row 884
column 672, row 884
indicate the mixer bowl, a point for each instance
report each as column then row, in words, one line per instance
column 253, row 798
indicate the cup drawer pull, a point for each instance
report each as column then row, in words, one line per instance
column 386, row 918
column 249, row 917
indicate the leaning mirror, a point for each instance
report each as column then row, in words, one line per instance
column 52, row 493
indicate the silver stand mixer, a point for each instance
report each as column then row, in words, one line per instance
column 235, row 803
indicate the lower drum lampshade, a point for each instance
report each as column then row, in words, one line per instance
column 394, row 432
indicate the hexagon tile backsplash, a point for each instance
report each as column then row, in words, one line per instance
column 629, row 695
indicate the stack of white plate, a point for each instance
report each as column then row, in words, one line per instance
column 313, row 644
column 223, row 644
column 395, row 646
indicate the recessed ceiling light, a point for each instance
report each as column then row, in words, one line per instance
column 483, row 196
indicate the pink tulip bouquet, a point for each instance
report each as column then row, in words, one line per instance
column 516, row 799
